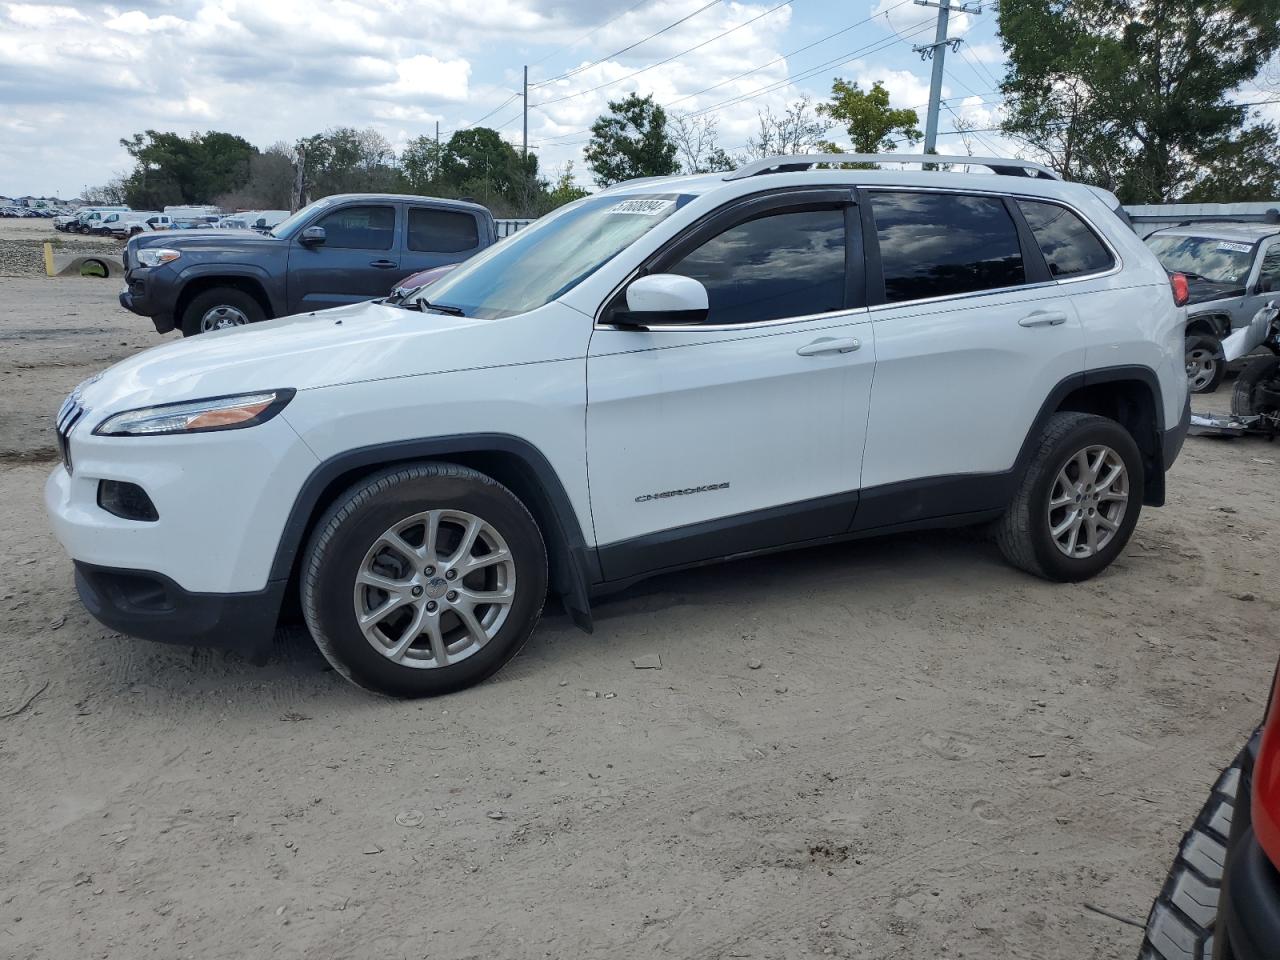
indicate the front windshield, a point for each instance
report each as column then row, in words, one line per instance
column 289, row 226
column 548, row 259
column 1205, row 258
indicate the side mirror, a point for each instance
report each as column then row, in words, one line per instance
column 312, row 237
column 663, row 298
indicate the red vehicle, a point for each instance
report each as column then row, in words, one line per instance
column 1221, row 900
column 421, row 279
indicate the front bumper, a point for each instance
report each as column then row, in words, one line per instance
column 151, row 606
column 141, row 295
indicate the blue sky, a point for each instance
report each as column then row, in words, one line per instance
column 76, row 77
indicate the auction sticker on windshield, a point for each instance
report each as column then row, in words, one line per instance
column 1234, row 247
column 648, row 207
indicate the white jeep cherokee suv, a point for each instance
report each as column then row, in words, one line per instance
column 666, row 373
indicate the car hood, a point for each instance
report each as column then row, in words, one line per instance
column 195, row 239
column 360, row 342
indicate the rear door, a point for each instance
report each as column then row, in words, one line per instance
column 972, row 334
column 746, row 431
column 357, row 261
column 435, row 236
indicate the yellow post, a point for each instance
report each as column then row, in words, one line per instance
column 48, row 259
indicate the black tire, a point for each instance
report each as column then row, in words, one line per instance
column 1198, row 347
column 1023, row 533
column 359, row 517
column 229, row 297
column 1258, row 371
column 1184, row 916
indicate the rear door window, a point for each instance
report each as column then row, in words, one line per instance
column 1070, row 248
column 945, row 244
column 432, row 230
column 360, row 228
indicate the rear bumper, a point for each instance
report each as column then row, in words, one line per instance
column 1250, row 908
column 1174, row 436
column 151, row 606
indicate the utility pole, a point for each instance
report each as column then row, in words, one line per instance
column 937, row 52
column 524, row 150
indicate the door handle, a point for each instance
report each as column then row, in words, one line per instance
column 1043, row 318
column 824, row 345
column 383, row 264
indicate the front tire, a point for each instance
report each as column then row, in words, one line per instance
column 219, row 309
column 1078, row 501
column 1206, row 365
column 423, row 580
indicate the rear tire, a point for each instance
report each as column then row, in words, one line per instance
column 1206, row 365
column 220, row 308
column 1058, row 494
column 1184, row 916
column 464, row 570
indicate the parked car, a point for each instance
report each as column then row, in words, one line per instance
column 86, row 220
column 1232, row 269
column 422, row 278
column 1221, row 899
column 336, row 251
column 261, row 220
column 130, row 224
column 663, row 374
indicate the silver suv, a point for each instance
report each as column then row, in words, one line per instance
column 1232, row 269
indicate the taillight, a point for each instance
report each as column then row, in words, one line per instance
column 1266, row 781
column 1181, row 292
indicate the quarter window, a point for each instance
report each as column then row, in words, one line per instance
column 1269, row 278
column 1070, row 248
column 360, row 228
column 943, row 244
column 442, row 231
column 789, row 264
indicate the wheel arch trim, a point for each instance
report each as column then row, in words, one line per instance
column 574, row 566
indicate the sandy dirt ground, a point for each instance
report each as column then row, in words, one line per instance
column 935, row 755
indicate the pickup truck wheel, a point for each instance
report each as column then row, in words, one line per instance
column 1077, row 503
column 423, row 580
column 1205, row 364
column 219, row 309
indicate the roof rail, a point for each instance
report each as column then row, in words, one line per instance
column 792, row 163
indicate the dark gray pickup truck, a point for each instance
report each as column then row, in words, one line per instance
column 338, row 250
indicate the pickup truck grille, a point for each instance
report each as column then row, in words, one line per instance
column 71, row 413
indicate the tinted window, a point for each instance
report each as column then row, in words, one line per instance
column 939, row 244
column 359, row 228
column 442, row 231
column 1069, row 247
column 783, row 265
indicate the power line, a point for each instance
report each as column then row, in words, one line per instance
column 630, row 46
column 660, row 63
column 593, row 30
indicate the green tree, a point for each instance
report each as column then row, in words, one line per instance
column 478, row 161
column 1136, row 95
column 631, row 141
column 872, row 125
column 172, row 169
column 421, row 162
column 346, row 160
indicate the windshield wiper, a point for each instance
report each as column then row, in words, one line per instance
column 424, row 304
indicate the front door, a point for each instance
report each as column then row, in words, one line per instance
column 744, row 432
column 358, row 259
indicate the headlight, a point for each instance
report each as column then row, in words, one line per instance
column 197, row 416
column 154, row 256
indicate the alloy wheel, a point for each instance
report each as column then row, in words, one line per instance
column 1087, row 501
column 434, row 588
column 222, row 318
column 1202, row 366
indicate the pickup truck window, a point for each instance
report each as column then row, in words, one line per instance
column 546, row 260
column 442, row 231
column 360, row 228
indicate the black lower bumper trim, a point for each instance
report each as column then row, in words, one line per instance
column 153, row 607
column 1251, row 910
column 1174, row 436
